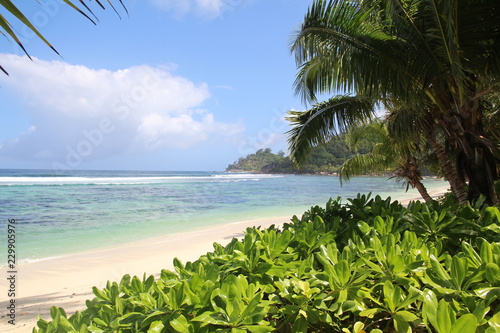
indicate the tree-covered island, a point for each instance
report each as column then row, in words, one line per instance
column 325, row 159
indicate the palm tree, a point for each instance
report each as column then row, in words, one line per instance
column 399, row 158
column 7, row 30
column 438, row 58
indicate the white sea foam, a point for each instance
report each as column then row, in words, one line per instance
column 32, row 260
column 87, row 180
column 247, row 175
column 121, row 180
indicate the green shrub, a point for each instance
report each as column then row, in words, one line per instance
column 369, row 265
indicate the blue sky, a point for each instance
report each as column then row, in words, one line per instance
column 176, row 85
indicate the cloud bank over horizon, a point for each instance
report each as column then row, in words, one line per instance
column 82, row 114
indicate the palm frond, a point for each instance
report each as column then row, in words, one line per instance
column 479, row 37
column 325, row 121
column 5, row 25
column 343, row 46
column 445, row 35
column 375, row 130
column 406, row 123
column 364, row 164
column 11, row 8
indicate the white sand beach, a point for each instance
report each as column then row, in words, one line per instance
column 67, row 281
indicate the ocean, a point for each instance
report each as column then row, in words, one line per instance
column 65, row 212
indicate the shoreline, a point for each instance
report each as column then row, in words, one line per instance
column 66, row 281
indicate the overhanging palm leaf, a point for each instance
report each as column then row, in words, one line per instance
column 384, row 154
column 323, row 122
column 7, row 30
column 340, row 47
column 365, row 164
column 408, row 125
column 398, row 157
column 374, row 130
column 436, row 58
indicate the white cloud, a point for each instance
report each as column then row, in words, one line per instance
column 211, row 7
column 81, row 114
column 203, row 8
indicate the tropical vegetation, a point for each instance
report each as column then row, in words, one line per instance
column 259, row 162
column 324, row 159
column 366, row 265
column 404, row 161
column 434, row 65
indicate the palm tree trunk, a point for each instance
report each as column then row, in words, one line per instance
column 457, row 185
column 480, row 163
column 475, row 153
column 411, row 172
column 423, row 191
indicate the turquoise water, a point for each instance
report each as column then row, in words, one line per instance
column 74, row 211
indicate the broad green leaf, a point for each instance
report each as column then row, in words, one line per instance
column 209, row 317
column 492, row 227
column 471, row 254
column 100, row 322
column 83, row 329
column 137, row 285
column 253, row 307
column 156, row 327
column 493, row 214
column 151, row 317
column 486, row 252
column 391, row 298
column 65, row 324
column 358, row 326
column 343, row 295
column 465, row 324
column 148, row 301
column 400, row 324
column 258, row 328
column 282, row 242
column 178, row 265
column 459, row 269
column 429, row 308
column 278, row 271
column 364, row 227
column 300, row 325
column 100, row 294
column 483, row 292
column 408, row 316
column 343, row 272
column 54, row 312
column 495, row 322
column 130, row 318
column 379, row 225
column 439, row 270
column 180, row 324
column 411, row 297
column 370, row 312
column 444, row 317
column 493, row 273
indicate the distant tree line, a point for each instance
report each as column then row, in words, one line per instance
column 324, row 159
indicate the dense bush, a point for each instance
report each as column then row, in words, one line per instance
column 369, row 265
